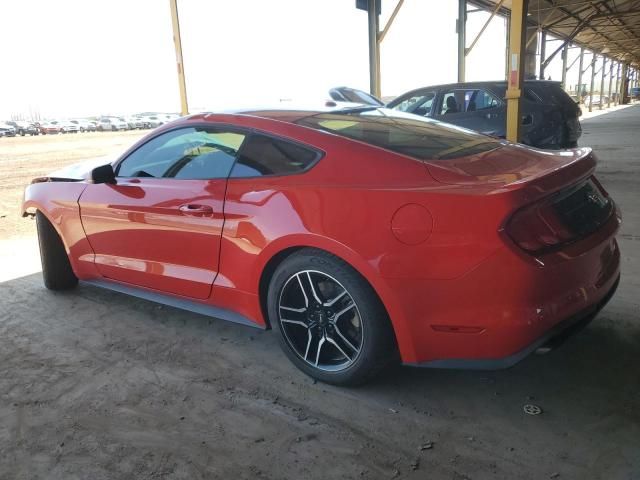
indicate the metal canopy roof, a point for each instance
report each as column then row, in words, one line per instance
column 609, row 27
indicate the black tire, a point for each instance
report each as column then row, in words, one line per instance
column 373, row 332
column 56, row 269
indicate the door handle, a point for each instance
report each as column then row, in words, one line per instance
column 196, row 210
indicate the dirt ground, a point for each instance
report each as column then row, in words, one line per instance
column 25, row 158
column 97, row 385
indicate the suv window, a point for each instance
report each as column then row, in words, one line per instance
column 194, row 153
column 467, row 100
column 481, row 100
column 418, row 104
column 263, row 155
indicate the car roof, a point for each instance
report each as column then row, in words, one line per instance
column 480, row 84
column 289, row 113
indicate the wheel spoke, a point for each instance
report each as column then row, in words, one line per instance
column 313, row 289
column 335, row 344
column 291, row 309
column 330, row 303
column 344, row 339
column 320, row 343
column 306, row 299
column 309, row 338
column 345, row 309
column 294, row 322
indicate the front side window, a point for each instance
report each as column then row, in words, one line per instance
column 263, row 155
column 419, row 104
column 193, row 153
column 467, row 100
column 481, row 100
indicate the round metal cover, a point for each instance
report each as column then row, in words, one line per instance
column 531, row 409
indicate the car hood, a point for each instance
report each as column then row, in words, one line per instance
column 76, row 172
column 512, row 165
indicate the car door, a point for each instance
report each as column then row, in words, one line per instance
column 472, row 108
column 487, row 111
column 159, row 225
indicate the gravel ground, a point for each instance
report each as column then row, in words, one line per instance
column 97, row 385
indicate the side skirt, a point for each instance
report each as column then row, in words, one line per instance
column 181, row 303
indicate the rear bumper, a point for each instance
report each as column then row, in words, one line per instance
column 551, row 339
column 508, row 305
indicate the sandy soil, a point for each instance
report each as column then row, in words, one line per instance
column 97, row 385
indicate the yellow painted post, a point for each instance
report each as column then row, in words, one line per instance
column 184, row 108
column 517, row 35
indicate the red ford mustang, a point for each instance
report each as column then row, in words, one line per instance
column 360, row 235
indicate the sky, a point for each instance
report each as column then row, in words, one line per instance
column 73, row 58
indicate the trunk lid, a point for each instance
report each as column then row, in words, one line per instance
column 514, row 167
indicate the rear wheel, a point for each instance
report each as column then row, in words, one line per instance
column 56, row 269
column 331, row 324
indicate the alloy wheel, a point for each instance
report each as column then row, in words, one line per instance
column 320, row 321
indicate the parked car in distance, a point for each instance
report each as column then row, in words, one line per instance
column 112, row 124
column 597, row 100
column 635, row 93
column 7, row 130
column 135, row 123
column 66, row 126
column 550, row 118
column 153, row 121
column 23, row 127
column 457, row 249
column 84, row 125
column 49, row 128
column 353, row 95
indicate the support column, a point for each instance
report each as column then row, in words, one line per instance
column 604, row 65
column 374, row 54
column 565, row 54
column 610, row 84
column 623, row 83
column 184, row 107
column 516, row 67
column 507, row 65
column 461, row 27
column 543, row 53
column 618, row 84
column 580, row 72
column 593, row 77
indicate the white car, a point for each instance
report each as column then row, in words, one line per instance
column 113, row 124
column 84, row 125
column 154, row 120
column 66, row 126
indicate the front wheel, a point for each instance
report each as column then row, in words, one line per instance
column 331, row 323
column 56, row 269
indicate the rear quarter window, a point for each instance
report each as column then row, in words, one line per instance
column 263, row 155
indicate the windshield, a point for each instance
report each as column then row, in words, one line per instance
column 417, row 137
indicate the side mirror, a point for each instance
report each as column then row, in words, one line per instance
column 103, row 174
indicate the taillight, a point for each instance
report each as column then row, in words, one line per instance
column 537, row 228
column 560, row 219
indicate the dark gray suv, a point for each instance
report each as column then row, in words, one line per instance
column 550, row 118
